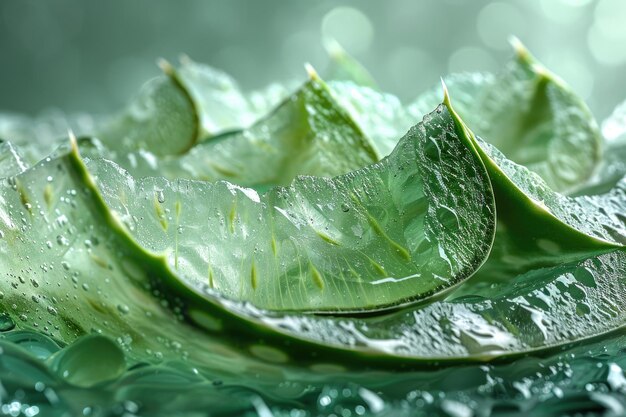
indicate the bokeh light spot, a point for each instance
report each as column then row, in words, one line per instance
column 497, row 21
column 350, row 27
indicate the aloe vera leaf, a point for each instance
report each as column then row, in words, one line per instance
column 533, row 117
column 69, row 269
column 382, row 236
column 309, row 133
column 555, row 136
column 162, row 118
column 344, row 67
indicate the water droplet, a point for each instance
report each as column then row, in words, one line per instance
column 122, row 308
column 6, row 323
column 52, row 310
column 345, row 208
column 160, row 196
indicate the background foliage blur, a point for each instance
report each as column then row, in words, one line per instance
column 92, row 56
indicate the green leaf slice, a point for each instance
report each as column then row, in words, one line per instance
column 162, row 118
column 533, row 117
column 404, row 229
column 66, row 272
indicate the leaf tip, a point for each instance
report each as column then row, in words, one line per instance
column 517, row 45
column 165, row 66
column 446, row 93
column 73, row 141
column 333, row 48
column 313, row 75
column 184, row 59
column 523, row 54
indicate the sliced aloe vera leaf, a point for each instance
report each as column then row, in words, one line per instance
column 555, row 134
column 533, row 117
column 540, row 310
column 309, row 133
column 162, row 118
column 404, row 229
column 344, row 67
column 69, row 269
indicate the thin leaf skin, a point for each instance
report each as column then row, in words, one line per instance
column 308, row 134
column 386, row 235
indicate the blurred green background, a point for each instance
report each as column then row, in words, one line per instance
column 91, row 56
